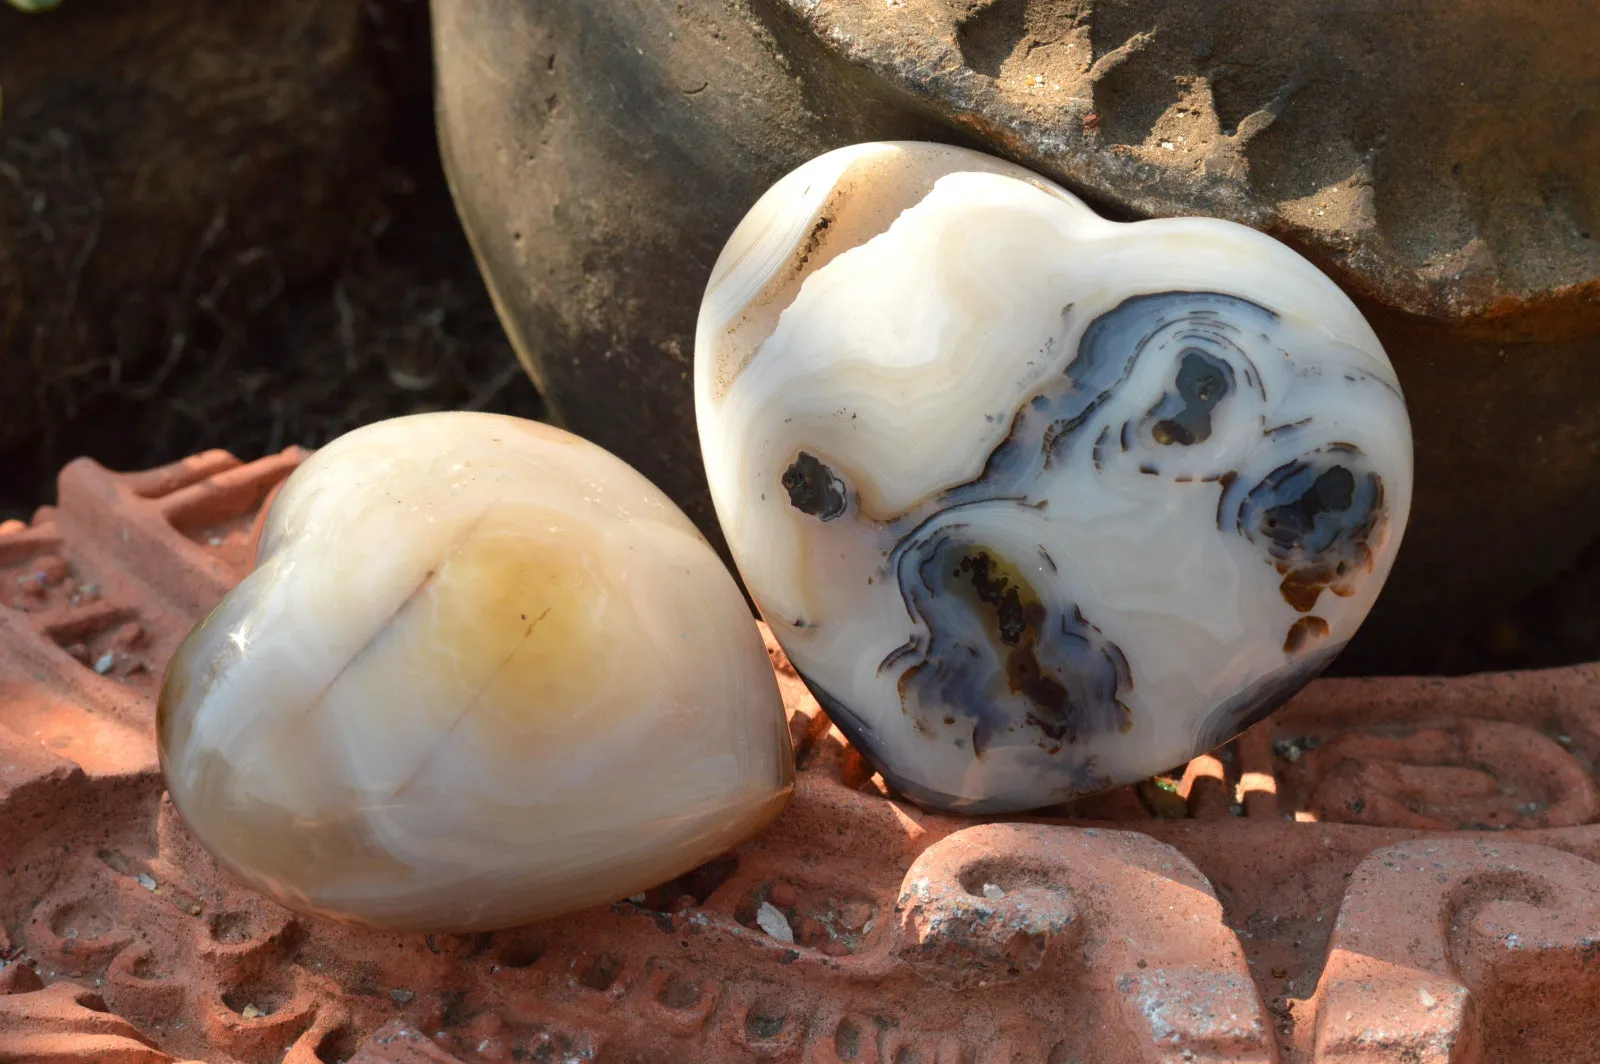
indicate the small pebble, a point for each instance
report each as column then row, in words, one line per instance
column 853, row 916
column 402, row 997
column 993, row 891
column 812, row 930
column 771, row 920
column 146, row 880
column 128, row 636
column 250, row 1012
column 105, row 661
column 1428, row 1000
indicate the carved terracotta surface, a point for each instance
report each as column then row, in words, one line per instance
column 1395, row 870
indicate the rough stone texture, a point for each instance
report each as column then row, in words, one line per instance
column 1277, row 900
column 1438, row 157
column 1439, row 160
column 166, row 169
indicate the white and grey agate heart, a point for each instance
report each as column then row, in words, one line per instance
column 1039, row 503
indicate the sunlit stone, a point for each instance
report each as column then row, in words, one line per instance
column 1039, row 503
column 483, row 672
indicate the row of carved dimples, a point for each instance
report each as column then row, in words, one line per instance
column 1144, row 395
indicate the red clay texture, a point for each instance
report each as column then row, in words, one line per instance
column 1387, row 870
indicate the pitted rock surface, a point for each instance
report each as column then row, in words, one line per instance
column 1396, row 869
column 1437, row 157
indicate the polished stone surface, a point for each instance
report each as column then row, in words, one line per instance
column 1039, row 503
column 482, row 672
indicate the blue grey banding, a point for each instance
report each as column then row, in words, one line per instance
column 997, row 661
column 1005, row 662
column 1076, row 780
column 1315, row 517
column 1189, row 325
column 1256, row 702
column 1183, row 416
column 1056, row 679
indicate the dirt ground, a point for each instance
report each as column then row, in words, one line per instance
column 401, row 325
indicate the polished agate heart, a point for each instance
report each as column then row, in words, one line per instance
column 483, row 672
column 1039, row 503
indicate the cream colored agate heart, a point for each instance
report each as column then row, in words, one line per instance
column 482, row 673
column 1036, row 502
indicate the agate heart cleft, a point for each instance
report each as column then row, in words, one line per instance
column 482, row 672
column 1036, row 502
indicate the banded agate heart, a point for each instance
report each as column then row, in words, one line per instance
column 1036, row 502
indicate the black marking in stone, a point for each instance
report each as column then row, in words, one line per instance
column 1008, row 662
column 1256, row 702
column 1306, row 508
column 1183, row 416
column 1079, row 779
column 1004, row 660
column 1294, row 520
column 1166, row 325
column 866, row 741
column 1315, row 517
column 1288, row 426
column 1361, row 376
column 992, row 659
column 814, row 488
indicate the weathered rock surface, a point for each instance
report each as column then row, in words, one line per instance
column 1441, row 161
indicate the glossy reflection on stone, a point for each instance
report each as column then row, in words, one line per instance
column 1039, row 503
column 483, row 672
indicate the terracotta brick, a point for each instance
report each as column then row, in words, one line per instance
column 1396, row 869
column 1454, row 951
